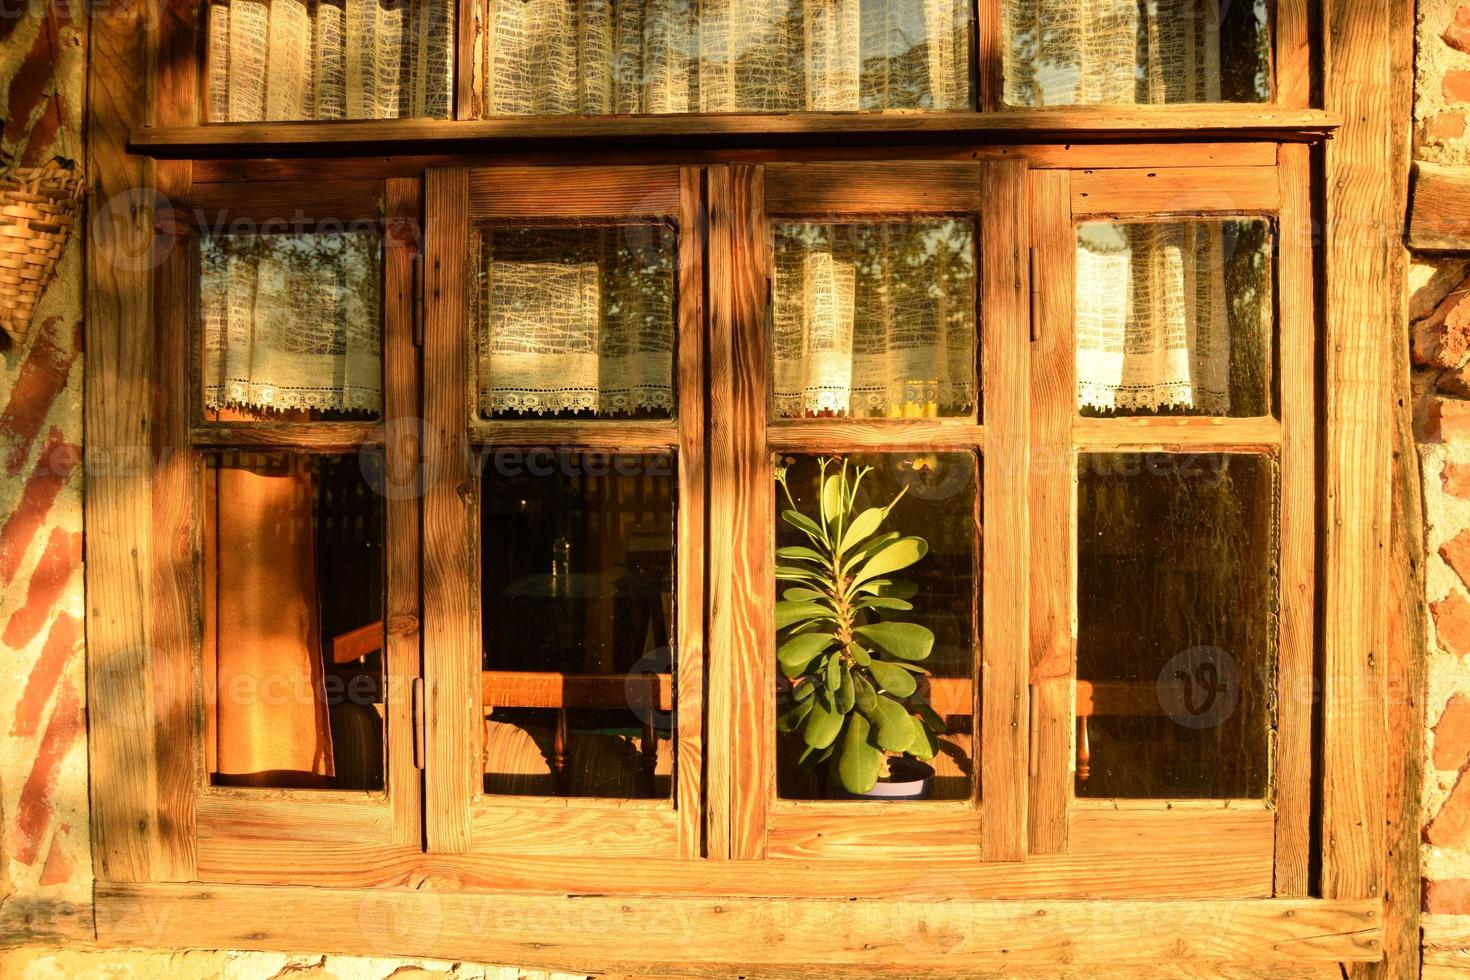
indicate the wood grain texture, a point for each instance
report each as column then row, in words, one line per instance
column 275, row 817
column 1194, row 853
column 888, row 435
column 580, row 193
column 1159, row 190
column 1170, row 434
column 690, row 589
column 829, row 190
column 852, row 833
column 1296, row 346
column 1356, row 470
column 469, row 66
column 402, row 441
column 1044, row 156
column 1005, row 234
column 177, row 92
column 624, row 437
column 1053, row 407
column 177, row 624
column 396, row 136
column 288, row 205
column 451, row 627
column 720, row 613
column 598, row 933
column 317, row 437
column 602, row 829
column 1440, row 218
column 742, row 494
column 544, row 689
column 1293, row 62
column 117, row 372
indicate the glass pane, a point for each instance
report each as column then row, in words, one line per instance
column 1121, row 52
column 578, row 320
column 874, row 320
column 349, row 59
column 554, row 57
column 1177, row 624
column 1175, row 318
column 293, row 620
column 291, row 324
column 577, row 565
column 876, row 634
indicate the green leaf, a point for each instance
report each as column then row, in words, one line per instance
column 926, row 744
column 803, row 523
column 931, row 719
column 900, row 554
column 868, row 547
column 791, row 717
column 803, row 689
column 863, row 525
column 802, row 595
column 859, row 654
column 822, row 755
column 797, row 653
column 895, row 727
column 874, row 587
column 906, row 641
column 801, row 553
column 901, row 589
column 790, row 613
column 863, row 694
column 893, row 679
column 823, row 724
column 860, row 762
column 883, row 602
column 832, row 500
column 834, row 672
column 846, row 695
column 790, row 573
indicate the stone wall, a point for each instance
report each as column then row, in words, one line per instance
column 1439, row 311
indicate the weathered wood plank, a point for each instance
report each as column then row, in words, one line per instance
column 1360, row 226
column 1006, row 369
column 573, row 192
column 1440, row 218
column 1160, row 190
column 598, row 934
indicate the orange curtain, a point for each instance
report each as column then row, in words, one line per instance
column 272, row 725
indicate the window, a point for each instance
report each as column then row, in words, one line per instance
column 537, row 424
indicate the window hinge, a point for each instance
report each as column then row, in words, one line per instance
column 418, row 299
column 1034, row 304
column 417, row 710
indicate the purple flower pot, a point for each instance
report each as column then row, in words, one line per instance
column 908, row 779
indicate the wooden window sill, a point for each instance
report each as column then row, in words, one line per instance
column 400, row 136
column 720, row 935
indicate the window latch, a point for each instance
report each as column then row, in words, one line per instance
column 418, row 299
column 1034, row 304
column 416, row 709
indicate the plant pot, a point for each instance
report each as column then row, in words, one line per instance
column 907, row 779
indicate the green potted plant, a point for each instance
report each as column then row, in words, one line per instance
column 852, row 661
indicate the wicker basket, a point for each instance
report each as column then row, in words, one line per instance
column 38, row 206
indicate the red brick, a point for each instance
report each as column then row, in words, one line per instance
column 52, row 573
column 1457, row 86
column 1456, row 553
column 1457, row 35
column 1447, row 897
column 1445, row 126
column 1442, row 339
column 1452, row 623
column 1452, row 735
column 1448, row 420
column 62, row 642
column 1455, row 480
column 33, row 811
column 57, row 460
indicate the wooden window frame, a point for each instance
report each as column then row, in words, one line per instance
column 150, row 890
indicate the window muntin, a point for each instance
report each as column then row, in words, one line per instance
column 293, row 599
column 577, row 572
column 578, row 321
column 874, row 319
column 348, row 59
column 1123, row 52
column 1175, row 317
column 1177, row 604
column 552, row 57
column 290, row 323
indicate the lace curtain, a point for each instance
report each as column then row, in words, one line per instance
column 1153, row 321
column 598, row 57
column 291, row 322
column 1111, row 52
column 578, row 320
column 330, row 59
column 874, row 319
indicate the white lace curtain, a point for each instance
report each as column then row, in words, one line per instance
column 291, row 322
column 671, row 56
column 578, row 320
column 330, row 59
column 1153, row 323
column 1075, row 52
column 874, row 319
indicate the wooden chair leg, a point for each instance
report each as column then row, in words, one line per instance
column 559, row 752
column 1084, row 751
